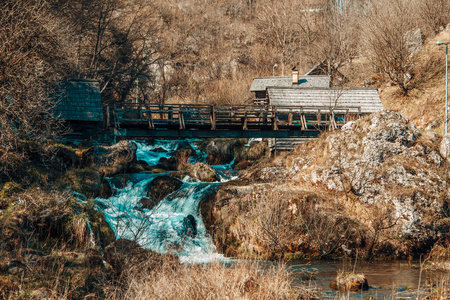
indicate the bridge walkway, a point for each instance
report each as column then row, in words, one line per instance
column 193, row 120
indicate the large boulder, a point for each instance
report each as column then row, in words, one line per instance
column 162, row 186
column 184, row 152
column 179, row 158
column 220, row 152
column 170, row 164
column 201, row 171
column 256, row 151
column 88, row 182
column 110, row 160
column 350, row 282
column 382, row 170
column 224, row 151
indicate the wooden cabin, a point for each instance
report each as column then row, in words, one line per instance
column 363, row 100
column 312, row 91
column 80, row 105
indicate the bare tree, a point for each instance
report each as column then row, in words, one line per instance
column 338, row 38
column 386, row 39
column 274, row 218
column 32, row 57
column 434, row 14
column 278, row 23
column 383, row 217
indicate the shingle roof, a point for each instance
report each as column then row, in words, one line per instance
column 366, row 98
column 261, row 83
column 80, row 101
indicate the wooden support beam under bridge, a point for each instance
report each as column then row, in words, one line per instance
column 205, row 133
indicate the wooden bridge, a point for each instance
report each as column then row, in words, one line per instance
column 232, row 121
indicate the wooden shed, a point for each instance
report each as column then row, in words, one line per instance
column 80, row 105
column 360, row 100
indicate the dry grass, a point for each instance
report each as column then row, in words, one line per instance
column 243, row 280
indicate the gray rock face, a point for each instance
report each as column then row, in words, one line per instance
column 445, row 145
column 381, row 162
column 414, row 40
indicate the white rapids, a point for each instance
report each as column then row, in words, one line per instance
column 165, row 228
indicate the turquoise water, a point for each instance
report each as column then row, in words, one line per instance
column 165, row 228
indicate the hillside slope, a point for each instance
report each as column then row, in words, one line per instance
column 425, row 103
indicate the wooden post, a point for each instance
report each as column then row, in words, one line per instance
column 170, row 116
column 181, row 120
column 302, row 120
column 151, row 125
column 319, row 118
column 290, row 117
column 275, row 124
column 213, row 117
column 244, row 125
column 108, row 117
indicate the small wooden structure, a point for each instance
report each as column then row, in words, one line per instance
column 313, row 90
column 366, row 99
column 79, row 104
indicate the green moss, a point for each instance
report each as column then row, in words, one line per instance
column 9, row 189
column 100, row 228
column 86, row 181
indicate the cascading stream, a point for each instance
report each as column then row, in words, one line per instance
column 175, row 224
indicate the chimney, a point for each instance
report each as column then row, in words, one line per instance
column 294, row 75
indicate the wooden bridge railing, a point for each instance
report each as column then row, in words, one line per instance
column 244, row 117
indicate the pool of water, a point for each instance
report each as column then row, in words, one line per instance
column 387, row 279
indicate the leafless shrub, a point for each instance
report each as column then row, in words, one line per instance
column 434, row 14
column 274, row 216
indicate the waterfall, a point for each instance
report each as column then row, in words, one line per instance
column 175, row 224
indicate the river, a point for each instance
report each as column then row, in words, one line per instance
column 387, row 279
column 164, row 229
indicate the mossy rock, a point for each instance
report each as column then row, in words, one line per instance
column 138, row 167
column 201, row 171
column 162, row 186
column 100, row 228
column 87, row 181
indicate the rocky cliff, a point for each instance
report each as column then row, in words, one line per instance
column 377, row 186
